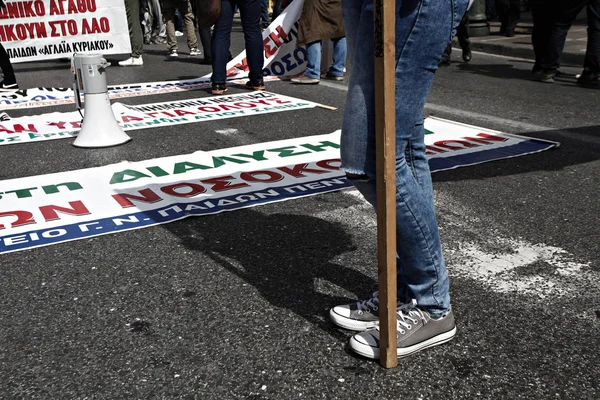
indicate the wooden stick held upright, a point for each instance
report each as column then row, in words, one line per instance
column 385, row 126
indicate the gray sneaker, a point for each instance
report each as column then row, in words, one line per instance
column 416, row 331
column 359, row 316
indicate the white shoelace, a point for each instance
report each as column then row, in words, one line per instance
column 408, row 315
column 369, row 305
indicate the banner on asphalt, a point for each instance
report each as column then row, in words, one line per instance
column 282, row 58
column 48, row 29
column 48, row 209
column 67, row 125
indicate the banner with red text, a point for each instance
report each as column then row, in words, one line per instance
column 282, row 58
column 46, row 29
column 59, row 125
column 54, row 208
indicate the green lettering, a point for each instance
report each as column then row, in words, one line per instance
column 128, row 175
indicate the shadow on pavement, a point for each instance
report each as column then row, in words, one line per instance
column 288, row 258
column 577, row 146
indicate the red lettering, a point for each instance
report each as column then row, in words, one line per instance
column 19, row 128
column 59, row 125
column 23, row 218
column 485, row 138
column 147, row 196
column 297, row 171
column 181, row 113
column 327, row 164
column 127, row 118
column 194, row 189
column 223, row 183
column 464, row 143
column 50, row 212
column 254, row 176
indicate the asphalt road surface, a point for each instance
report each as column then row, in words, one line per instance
column 235, row 305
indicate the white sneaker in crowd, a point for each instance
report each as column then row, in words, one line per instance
column 178, row 33
column 132, row 61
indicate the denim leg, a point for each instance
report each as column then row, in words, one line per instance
column 339, row 57
column 592, row 53
column 423, row 29
column 250, row 15
column 313, row 60
column 566, row 14
column 264, row 12
column 276, row 10
column 220, row 42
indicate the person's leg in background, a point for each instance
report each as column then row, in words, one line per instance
column 312, row 74
column 250, row 11
column 9, row 81
column 185, row 8
column 336, row 70
column 264, row 13
column 543, row 13
column 205, row 39
column 276, row 10
column 513, row 17
column 132, row 8
column 169, row 9
column 565, row 15
column 220, row 46
column 159, row 28
column 146, row 19
column 462, row 34
column 591, row 63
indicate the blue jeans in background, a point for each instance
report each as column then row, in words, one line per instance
column 250, row 16
column 423, row 29
column 313, row 62
column 264, row 13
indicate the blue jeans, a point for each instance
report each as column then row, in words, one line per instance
column 423, row 29
column 264, row 12
column 313, row 62
column 250, row 16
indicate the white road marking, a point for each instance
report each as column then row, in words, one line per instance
column 501, row 263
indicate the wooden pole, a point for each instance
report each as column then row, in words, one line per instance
column 385, row 126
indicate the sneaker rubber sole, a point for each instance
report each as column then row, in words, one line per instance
column 374, row 352
column 351, row 324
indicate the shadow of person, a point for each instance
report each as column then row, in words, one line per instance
column 288, row 258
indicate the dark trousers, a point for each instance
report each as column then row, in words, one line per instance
column 250, row 16
column 205, row 35
column 544, row 13
column 206, row 40
column 509, row 13
column 276, row 10
column 6, row 66
column 566, row 14
column 462, row 34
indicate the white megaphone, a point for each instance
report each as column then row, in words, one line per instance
column 99, row 127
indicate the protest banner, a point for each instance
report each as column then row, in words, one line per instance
column 66, row 125
column 53, row 208
column 282, row 58
column 48, row 29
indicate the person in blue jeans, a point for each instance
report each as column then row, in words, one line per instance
column 250, row 16
column 322, row 20
column 423, row 29
column 264, row 13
